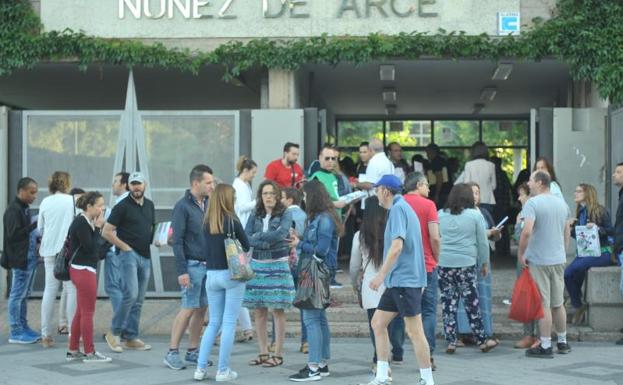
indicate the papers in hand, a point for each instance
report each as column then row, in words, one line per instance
column 349, row 198
column 162, row 233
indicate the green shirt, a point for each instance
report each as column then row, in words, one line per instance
column 329, row 181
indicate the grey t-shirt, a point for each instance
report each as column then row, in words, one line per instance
column 547, row 243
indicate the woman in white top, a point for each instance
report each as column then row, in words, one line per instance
column 244, row 206
column 367, row 255
column 56, row 214
column 481, row 171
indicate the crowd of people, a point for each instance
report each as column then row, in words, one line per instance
column 418, row 237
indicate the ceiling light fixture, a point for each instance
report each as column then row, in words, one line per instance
column 488, row 94
column 477, row 108
column 390, row 96
column 502, row 72
column 387, row 72
column 390, row 109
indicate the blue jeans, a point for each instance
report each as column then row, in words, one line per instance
column 576, row 272
column 20, row 290
column 429, row 308
column 113, row 282
column 135, row 275
column 318, row 336
column 224, row 300
column 396, row 331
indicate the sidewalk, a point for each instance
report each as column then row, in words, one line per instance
column 589, row 363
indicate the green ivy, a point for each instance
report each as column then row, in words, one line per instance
column 585, row 34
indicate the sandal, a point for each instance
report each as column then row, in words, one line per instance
column 273, row 361
column 260, row 360
column 451, row 349
column 245, row 336
column 62, row 330
column 489, row 344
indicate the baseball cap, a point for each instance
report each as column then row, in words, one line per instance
column 390, row 181
column 136, row 177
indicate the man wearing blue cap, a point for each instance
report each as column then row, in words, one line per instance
column 404, row 274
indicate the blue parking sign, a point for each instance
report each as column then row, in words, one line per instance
column 508, row 23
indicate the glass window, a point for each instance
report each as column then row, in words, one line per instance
column 505, row 132
column 176, row 143
column 513, row 160
column 84, row 146
column 409, row 133
column 354, row 132
column 456, row 132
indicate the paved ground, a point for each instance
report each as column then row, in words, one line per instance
column 590, row 363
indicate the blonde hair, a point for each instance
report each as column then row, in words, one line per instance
column 594, row 209
column 59, row 181
column 220, row 205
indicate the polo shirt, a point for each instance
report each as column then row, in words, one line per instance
column 409, row 269
column 426, row 212
column 282, row 175
column 134, row 223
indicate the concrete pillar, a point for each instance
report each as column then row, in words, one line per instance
column 282, row 93
column 4, row 181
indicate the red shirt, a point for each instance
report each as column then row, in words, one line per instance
column 426, row 212
column 283, row 175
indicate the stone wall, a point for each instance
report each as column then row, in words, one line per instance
column 605, row 302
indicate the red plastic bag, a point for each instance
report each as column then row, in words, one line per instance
column 526, row 305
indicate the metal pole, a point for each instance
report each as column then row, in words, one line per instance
column 4, row 180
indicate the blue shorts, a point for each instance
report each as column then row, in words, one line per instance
column 194, row 296
column 406, row 301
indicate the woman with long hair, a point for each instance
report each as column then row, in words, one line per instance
column 224, row 294
column 591, row 214
column 244, row 205
column 85, row 232
column 464, row 254
column 272, row 287
column 320, row 241
column 367, row 257
column 543, row 164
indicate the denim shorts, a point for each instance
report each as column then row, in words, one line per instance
column 194, row 296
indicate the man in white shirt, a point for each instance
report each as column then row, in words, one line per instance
column 378, row 165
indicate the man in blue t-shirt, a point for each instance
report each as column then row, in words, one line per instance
column 404, row 275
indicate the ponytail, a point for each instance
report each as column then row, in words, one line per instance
column 244, row 163
column 88, row 198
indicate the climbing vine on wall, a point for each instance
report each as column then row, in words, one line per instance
column 586, row 34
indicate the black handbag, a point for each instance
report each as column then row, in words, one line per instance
column 63, row 259
column 312, row 291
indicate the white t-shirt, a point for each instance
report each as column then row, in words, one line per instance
column 56, row 213
column 378, row 166
column 245, row 203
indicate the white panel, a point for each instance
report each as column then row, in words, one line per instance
column 4, row 178
column 580, row 150
column 271, row 129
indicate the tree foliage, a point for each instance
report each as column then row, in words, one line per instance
column 586, row 34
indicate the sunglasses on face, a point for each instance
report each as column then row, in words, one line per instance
column 328, row 158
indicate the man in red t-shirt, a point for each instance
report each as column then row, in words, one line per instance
column 285, row 171
column 417, row 189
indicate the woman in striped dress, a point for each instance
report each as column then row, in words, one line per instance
column 273, row 287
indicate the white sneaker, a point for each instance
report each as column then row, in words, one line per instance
column 200, row 374
column 96, row 357
column 229, row 375
column 377, row 382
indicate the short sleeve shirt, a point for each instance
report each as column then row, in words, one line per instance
column 547, row 242
column 134, row 223
column 282, row 175
column 426, row 212
column 409, row 269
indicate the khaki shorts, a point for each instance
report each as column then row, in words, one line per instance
column 551, row 283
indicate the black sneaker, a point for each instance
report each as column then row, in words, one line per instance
column 540, row 352
column 563, row 348
column 306, row 374
column 324, row 371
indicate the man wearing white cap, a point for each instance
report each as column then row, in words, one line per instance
column 130, row 228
